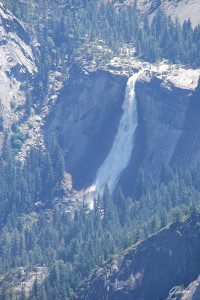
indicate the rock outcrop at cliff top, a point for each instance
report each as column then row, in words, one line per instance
column 181, row 9
column 184, row 10
column 150, row 269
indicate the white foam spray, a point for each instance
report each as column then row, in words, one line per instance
column 120, row 153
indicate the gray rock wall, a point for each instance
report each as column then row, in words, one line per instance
column 86, row 119
column 87, row 114
column 17, row 66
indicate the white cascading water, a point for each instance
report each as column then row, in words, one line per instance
column 120, row 153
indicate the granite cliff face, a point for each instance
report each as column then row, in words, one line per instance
column 181, row 9
column 168, row 128
column 184, row 10
column 17, row 68
column 87, row 114
column 166, row 115
column 85, row 119
column 150, row 269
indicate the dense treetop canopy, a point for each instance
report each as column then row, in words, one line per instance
column 62, row 25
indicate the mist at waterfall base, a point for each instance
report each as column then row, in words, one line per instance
column 120, row 153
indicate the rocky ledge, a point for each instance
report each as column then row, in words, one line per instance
column 150, row 269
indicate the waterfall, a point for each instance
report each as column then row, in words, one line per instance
column 120, row 153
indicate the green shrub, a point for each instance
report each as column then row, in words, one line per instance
column 1, row 124
column 18, row 138
column 12, row 104
column 30, row 125
column 16, row 144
